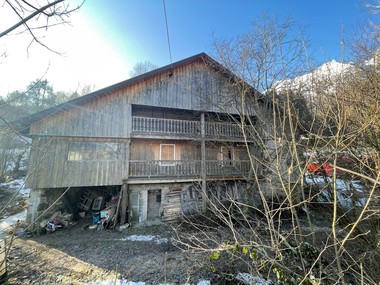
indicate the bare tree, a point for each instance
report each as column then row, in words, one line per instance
column 141, row 68
column 294, row 224
column 32, row 18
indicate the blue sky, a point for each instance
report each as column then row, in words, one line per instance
column 137, row 28
column 107, row 38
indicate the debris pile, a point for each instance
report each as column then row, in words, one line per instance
column 57, row 221
column 103, row 213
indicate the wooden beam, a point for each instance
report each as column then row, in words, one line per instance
column 124, row 203
column 3, row 261
column 203, row 163
column 116, row 216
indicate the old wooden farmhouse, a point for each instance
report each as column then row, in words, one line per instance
column 165, row 139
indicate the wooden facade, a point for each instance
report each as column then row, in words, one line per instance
column 158, row 128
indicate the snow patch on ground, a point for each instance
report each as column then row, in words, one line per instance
column 17, row 184
column 242, row 277
column 204, row 282
column 155, row 239
column 10, row 221
column 247, row 278
column 117, row 282
column 126, row 282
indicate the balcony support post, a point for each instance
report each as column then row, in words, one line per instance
column 203, row 163
column 124, row 196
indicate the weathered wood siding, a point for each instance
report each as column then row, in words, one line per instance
column 108, row 116
column 214, row 151
column 50, row 167
column 192, row 87
column 150, row 149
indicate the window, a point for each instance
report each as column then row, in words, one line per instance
column 241, row 153
column 92, row 151
column 167, row 154
column 227, row 154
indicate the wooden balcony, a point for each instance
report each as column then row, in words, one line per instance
column 143, row 126
column 222, row 130
column 188, row 169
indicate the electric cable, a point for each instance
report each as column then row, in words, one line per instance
column 167, row 34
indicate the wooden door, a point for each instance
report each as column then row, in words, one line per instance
column 135, row 207
column 167, row 154
column 227, row 154
column 154, row 204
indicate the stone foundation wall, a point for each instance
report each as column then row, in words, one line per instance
column 43, row 203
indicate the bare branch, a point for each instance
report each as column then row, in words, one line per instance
column 23, row 21
column 55, row 9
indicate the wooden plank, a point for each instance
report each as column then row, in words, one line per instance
column 56, row 171
column 124, row 203
column 3, row 260
column 116, row 216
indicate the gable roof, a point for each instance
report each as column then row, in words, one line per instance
column 23, row 124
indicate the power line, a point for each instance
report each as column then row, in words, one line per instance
column 167, row 33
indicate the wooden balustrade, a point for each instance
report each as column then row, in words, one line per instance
column 161, row 168
column 165, row 126
column 222, row 130
column 178, row 168
column 185, row 127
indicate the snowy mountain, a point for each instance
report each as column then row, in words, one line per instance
column 307, row 83
column 326, row 79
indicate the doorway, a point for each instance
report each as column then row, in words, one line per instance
column 154, row 204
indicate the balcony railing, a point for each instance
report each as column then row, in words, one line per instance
column 165, row 126
column 222, row 130
column 178, row 168
column 144, row 125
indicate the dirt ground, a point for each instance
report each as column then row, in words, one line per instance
column 80, row 256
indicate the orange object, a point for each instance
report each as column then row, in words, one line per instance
column 313, row 167
column 328, row 168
